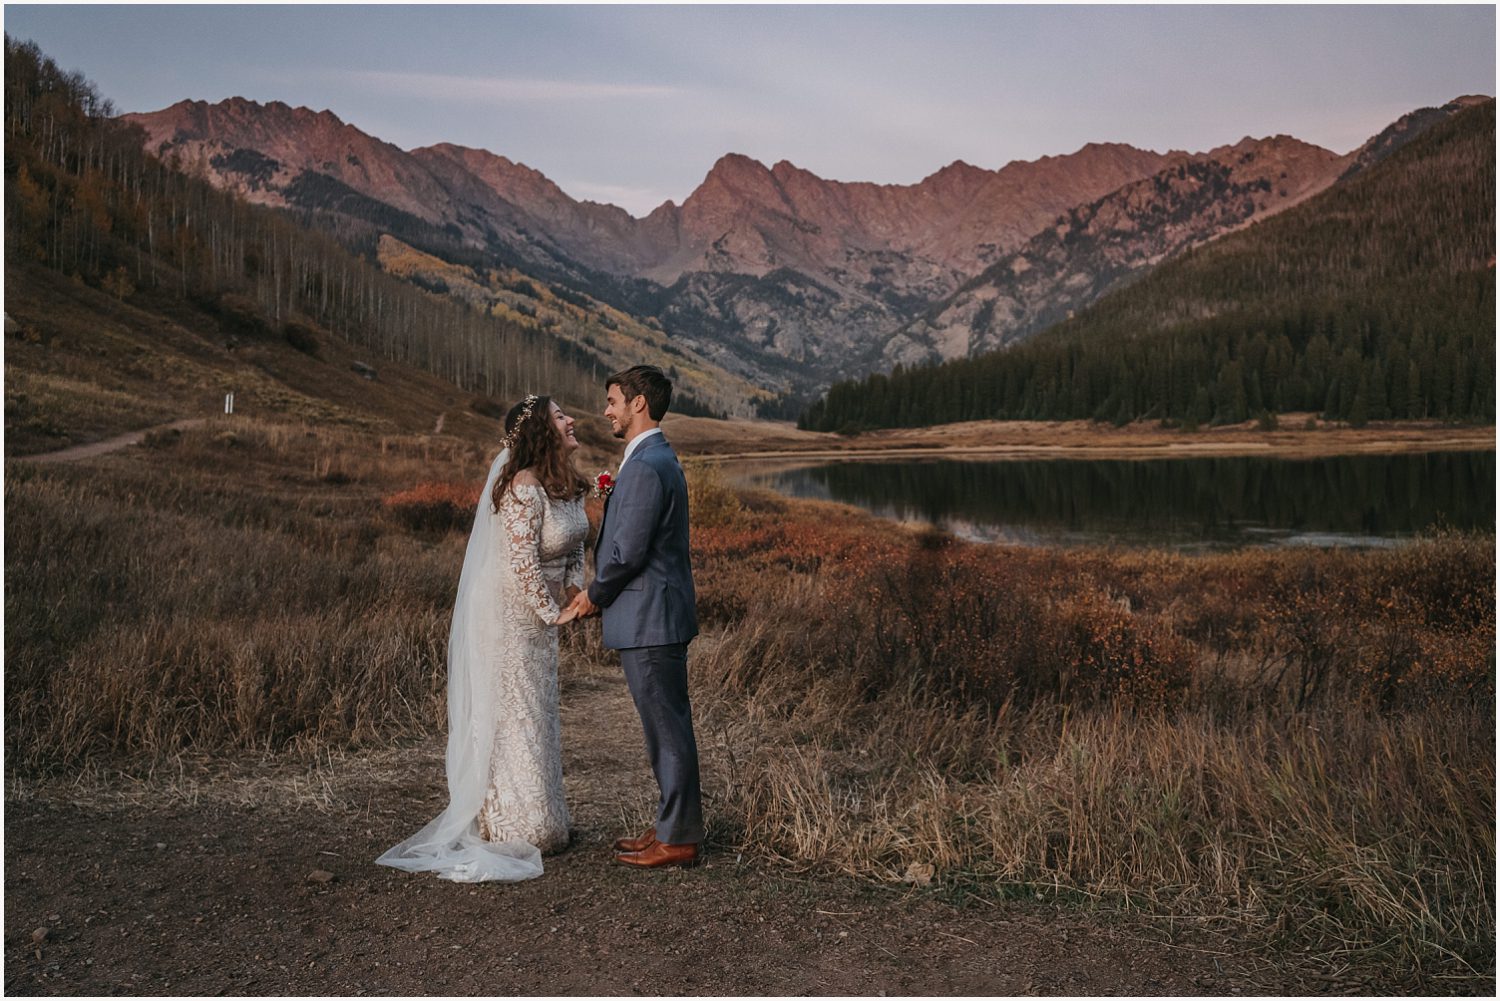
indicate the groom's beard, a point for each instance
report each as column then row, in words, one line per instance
column 619, row 432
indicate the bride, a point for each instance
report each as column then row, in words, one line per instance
column 523, row 564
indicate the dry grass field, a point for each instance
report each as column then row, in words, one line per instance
column 1294, row 748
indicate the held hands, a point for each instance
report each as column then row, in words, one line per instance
column 580, row 607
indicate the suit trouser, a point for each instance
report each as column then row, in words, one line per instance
column 657, row 676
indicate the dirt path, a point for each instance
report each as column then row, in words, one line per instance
column 200, row 884
column 95, row 448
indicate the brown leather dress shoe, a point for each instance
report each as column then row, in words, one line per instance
column 660, row 854
column 639, row 844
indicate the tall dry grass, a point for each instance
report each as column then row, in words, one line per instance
column 234, row 588
column 1296, row 744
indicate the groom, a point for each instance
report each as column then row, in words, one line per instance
column 644, row 586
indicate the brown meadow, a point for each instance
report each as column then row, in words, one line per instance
column 1295, row 744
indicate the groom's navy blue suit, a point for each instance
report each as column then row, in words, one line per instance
column 643, row 584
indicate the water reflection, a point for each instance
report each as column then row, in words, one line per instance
column 1197, row 503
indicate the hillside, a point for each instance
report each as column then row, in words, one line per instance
column 613, row 338
column 82, row 366
column 136, row 295
column 1373, row 299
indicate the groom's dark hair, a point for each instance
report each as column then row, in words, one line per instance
column 648, row 381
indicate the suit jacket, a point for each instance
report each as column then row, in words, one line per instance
column 643, row 580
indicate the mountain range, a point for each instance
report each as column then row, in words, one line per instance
column 775, row 275
column 1095, row 248
column 1373, row 299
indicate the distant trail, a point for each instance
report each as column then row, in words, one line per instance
column 114, row 444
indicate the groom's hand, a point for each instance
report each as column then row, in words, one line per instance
column 581, row 606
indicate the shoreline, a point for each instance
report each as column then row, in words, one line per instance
column 1206, row 451
column 720, row 441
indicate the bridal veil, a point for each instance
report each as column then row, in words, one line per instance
column 450, row 845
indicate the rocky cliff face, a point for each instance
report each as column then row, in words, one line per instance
column 297, row 158
column 1098, row 246
column 603, row 237
column 260, row 151
column 782, row 262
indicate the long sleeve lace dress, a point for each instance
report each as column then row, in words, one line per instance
column 545, row 540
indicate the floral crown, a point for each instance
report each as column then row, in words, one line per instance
column 527, row 406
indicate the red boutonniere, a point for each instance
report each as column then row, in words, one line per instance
column 604, row 485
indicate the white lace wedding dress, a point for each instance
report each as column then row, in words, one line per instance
column 504, row 762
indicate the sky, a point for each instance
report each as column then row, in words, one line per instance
column 632, row 105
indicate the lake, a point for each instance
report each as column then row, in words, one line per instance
column 1176, row 503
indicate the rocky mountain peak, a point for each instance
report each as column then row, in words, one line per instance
column 959, row 178
column 277, row 154
column 456, row 152
column 1280, row 144
column 735, row 169
column 504, row 175
column 959, row 170
column 1087, row 156
column 784, row 169
column 243, row 123
column 733, row 163
column 735, row 180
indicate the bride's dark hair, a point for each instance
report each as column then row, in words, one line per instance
column 535, row 444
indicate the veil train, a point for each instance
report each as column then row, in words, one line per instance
column 450, row 845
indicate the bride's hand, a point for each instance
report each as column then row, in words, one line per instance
column 568, row 615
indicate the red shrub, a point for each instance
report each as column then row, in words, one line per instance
column 435, row 507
